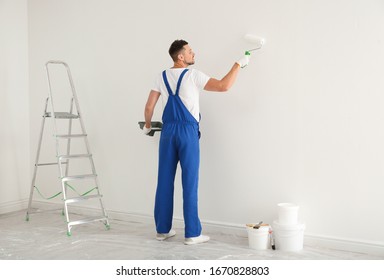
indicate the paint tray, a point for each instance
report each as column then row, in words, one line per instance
column 156, row 126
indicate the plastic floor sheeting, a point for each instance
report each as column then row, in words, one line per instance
column 44, row 238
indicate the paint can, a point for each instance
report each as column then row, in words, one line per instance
column 288, row 237
column 258, row 238
column 288, row 213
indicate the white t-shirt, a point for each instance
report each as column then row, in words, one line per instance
column 192, row 84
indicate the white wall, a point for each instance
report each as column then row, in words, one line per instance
column 14, row 105
column 303, row 123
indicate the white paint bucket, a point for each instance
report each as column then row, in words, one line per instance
column 258, row 239
column 288, row 213
column 288, row 237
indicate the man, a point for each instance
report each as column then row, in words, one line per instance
column 179, row 88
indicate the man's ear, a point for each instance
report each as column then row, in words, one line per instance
column 180, row 57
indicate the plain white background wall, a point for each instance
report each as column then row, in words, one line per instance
column 303, row 123
column 14, row 104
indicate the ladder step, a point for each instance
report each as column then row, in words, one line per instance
column 71, row 135
column 49, row 163
column 82, row 198
column 61, row 115
column 88, row 220
column 74, row 156
column 78, row 177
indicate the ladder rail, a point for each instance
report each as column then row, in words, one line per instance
column 69, row 139
column 37, row 159
column 50, row 93
column 84, row 132
column 79, row 113
column 74, row 97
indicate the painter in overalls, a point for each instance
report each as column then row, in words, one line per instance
column 180, row 88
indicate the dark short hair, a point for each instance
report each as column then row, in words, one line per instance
column 176, row 47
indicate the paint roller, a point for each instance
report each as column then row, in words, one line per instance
column 256, row 41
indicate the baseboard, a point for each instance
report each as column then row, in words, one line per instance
column 343, row 244
column 357, row 246
column 13, row 206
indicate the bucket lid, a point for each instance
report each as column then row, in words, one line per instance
column 278, row 226
column 252, row 225
column 288, row 205
column 263, row 227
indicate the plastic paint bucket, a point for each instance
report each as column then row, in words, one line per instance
column 288, row 213
column 258, row 239
column 288, row 237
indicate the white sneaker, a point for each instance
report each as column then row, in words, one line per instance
column 163, row 236
column 196, row 240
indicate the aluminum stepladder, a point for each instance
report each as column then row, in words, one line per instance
column 64, row 159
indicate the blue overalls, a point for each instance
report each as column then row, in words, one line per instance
column 179, row 141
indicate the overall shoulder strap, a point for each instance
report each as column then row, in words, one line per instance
column 179, row 81
column 166, row 83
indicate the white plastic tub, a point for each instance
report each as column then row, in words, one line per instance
column 258, row 239
column 288, row 237
column 288, row 213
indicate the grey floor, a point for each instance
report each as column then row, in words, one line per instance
column 44, row 238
